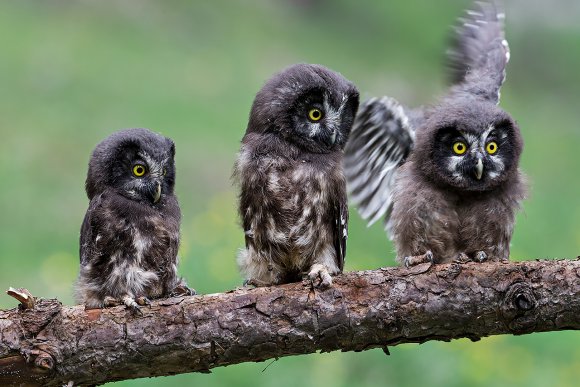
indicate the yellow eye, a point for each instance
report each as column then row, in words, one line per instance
column 491, row 147
column 459, row 148
column 314, row 115
column 164, row 171
column 139, row 170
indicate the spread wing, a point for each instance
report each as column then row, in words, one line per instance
column 381, row 139
column 479, row 53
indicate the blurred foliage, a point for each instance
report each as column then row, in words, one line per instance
column 72, row 73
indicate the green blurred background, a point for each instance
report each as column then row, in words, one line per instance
column 72, row 73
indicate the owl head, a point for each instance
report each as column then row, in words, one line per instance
column 307, row 105
column 136, row 163
column 469, row 144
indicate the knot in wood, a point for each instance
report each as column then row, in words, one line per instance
column 44, row 361
column 521, row 296
column 518, row 301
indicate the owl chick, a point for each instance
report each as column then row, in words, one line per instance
column 445, row 177
column 130, row 233
column 293, row 202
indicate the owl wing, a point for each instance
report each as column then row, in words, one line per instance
column 479, row 53
column 340, row 231
column 87, row 235
column 381, row 139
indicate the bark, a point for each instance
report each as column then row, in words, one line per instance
column 53, row 344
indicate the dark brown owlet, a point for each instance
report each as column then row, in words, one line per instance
column 445, row 177
column 130, row 234
column 292, row 200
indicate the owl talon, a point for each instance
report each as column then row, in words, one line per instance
column 135, row 310
column 143, row 301
column 255, row 283
column 182, row 290
column 133, row 306
column 480, row 256
column 413, row 260
column 320, row 272
column 109, row 302
column 462, row 258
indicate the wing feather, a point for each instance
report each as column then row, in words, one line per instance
column 380, row 141
column 88, row 233
column 479, row 52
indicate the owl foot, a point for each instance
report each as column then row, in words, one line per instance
column 143, row 301
column 480, row 256
column 413, row 260
column 109, row 302
column 182, row 290
column 462, row 258
column 132, row 305
column 256, row 283
column 320, row 272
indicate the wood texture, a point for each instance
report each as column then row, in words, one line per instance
column 54, row 344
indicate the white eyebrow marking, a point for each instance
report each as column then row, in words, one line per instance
column 487, row 132
column 155, row 167
column 472, row 141
column 333, row 116
column 477, row 142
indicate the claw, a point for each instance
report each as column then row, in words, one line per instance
column 132, row 305
column 320, row 272
column 462, row 258
column 480, row 256
column 182, row 290
column 413, row 260
column 135, row 310
column 109, row 302
column 256, row 283
column 143, row 301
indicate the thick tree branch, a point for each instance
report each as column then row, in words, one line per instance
column 53, row 345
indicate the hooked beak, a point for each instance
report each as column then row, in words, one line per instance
column 157, row 193
column 333, row 137
column 479, row 169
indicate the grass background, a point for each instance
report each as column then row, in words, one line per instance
column 72, row 73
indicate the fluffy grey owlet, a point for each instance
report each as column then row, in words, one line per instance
column 445, row 177
column 130, row 234
column 292, row 200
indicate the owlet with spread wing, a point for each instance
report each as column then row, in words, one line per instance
column 445, row 177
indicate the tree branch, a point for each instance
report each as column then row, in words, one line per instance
column 53, row 345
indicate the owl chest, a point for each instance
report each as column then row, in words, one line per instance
column 484, row 223
column 301, row 192
column 452, row 224
column 477, row 225
column 290, row 207
column 139, row 255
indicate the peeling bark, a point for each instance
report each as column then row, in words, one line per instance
column 53, row 345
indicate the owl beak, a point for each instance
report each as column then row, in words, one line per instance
column 333, row 137
column 479, row 169
column 157, row 193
